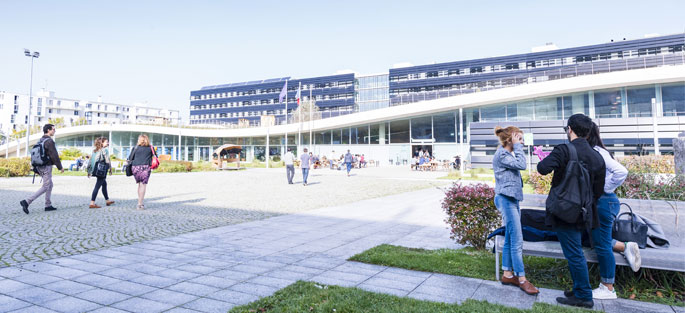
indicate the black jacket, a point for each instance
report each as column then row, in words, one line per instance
column 141, row 155
column 51, row 152
column 557, row 161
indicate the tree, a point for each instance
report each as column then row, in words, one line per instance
column 306, row 107
column 80, row 121
column 59, row 122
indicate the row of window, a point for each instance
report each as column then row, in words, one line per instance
column 267, row 102
column 540, row 63
column 258, row 91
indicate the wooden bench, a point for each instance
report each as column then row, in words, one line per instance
column 667, row 215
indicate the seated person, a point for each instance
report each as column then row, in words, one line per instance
column 78, row 164
column 362, row 161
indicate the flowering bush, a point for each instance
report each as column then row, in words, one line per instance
column 14, row 167
column 174, row 166
column 471, row 213
column 646, row 186
column 657, row 164
column 541, row 183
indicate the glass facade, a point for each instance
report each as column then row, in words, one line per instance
column 371, row 92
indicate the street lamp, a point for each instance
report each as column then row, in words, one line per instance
column 35, row 55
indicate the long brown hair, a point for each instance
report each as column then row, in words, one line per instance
column 98, row 144
column 143, row 140
column 505, row 134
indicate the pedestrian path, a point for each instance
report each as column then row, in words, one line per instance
column 214, row 270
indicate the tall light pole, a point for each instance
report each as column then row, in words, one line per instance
column 35, row 55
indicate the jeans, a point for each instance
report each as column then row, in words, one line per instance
column 512, row 251
column 101, row 182
column 349, row 167
column 290, row 172
column 569, row 238
column 45, row 173
column 305, row 173
column 608, row 207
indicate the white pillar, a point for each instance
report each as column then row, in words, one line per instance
column 267, row 147
column 654, row 128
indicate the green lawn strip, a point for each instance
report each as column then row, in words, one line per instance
column 649, row 285
column 312, row 297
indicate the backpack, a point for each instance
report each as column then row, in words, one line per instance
column 39, row 156
column 571, row 201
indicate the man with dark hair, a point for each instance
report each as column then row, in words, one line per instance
column 289, row 160
column 45, row 171
column 569, row 234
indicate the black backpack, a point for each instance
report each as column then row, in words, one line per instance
column 39, row 156
column 571, row 201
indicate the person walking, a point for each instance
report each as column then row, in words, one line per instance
column 507, row 163
column 349, row 158
column 45, row 171
column 569, row 233
column 608, row 207
column 305, row 160
column 140, row 161
column 289, row 160
column 100, row 155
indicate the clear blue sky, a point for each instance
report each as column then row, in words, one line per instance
column 158, row 51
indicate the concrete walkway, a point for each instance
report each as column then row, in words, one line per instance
column 217, row 269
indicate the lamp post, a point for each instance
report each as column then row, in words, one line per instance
column 35, row 55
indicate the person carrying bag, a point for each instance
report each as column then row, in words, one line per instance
column 98, row 166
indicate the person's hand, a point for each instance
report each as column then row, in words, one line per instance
column 61, row 171
column 88, row 175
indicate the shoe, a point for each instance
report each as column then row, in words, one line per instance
column 603, row 293
column 108, row 202
column 528, row 288
column 632, row 256
column 568, row 293
column 512, row 281
column 50, row 208
column 573, row 301
column 24, row 206
column 94, row 206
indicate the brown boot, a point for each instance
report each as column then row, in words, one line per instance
column 94, row 206
column 513, row 281
column 528, row 288
column 108, row 203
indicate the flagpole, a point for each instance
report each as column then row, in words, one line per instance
column 311, row 108
column 286, row 119
column 299, row 108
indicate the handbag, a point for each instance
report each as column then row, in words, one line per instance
column 629, row 229
column 155, row 160
column 101, row 168
column 128, row 167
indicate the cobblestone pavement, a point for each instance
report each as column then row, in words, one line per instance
column 216, row 269
column 176, row 204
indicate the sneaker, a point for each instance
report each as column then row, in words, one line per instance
column 24, row 206
column 603, row 293
column 573, row 301
column 50, row 208
column 632, row 256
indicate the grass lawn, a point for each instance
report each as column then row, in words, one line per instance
column 312, row 297
column 646, row 285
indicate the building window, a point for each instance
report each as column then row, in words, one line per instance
column 673, row 97
column 421, row 128
column 608, row 104
column 76, row 113
column 640, row 101
column 399, row 131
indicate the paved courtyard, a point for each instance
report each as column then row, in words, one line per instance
column 176, row 204
column 216, row 269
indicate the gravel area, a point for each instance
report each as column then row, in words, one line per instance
column 176, row 204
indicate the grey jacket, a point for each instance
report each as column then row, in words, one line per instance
column 506, row 166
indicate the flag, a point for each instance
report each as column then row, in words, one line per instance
column 298, row 95
column 284, row 92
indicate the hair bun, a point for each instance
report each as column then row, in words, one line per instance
column 498, row 130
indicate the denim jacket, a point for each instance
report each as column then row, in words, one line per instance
column 506, row 166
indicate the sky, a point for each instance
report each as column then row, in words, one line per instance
column 156, row 52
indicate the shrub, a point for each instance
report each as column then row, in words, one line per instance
column 648, row 186
column 203, row 166
column 174, row 167
column 70, row 154
column 14, row 167
column 657, row 164
column 541, row 183
column 471, row 213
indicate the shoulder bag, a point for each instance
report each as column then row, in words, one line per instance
column 155, row 160
column 101, row 167
column 629, row 229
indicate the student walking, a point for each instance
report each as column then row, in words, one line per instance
column 586, row 181
column 289, row 160
column 98, row 166
column 305, row 160
column 47, row 156
column 507, row 163
column 349, row 158
column 608, row 207
column 140, row 161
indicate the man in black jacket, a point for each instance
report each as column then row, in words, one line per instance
column 569, row 235
column 45, row 172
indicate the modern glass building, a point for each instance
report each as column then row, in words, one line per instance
column 635, row 91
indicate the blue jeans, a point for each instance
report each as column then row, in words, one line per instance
column 569, row 238
column 305, row 173
column 512, row 251
column 608, row 207
column 349, row 167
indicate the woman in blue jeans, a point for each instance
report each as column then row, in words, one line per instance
column 507, row 163
column 608, row 207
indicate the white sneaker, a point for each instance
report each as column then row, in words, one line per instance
column 603, row 293
column 632, row 256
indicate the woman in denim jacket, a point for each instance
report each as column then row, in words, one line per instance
column 507, row 163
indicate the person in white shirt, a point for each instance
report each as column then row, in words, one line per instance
column 608, row 207
column 289, row 159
